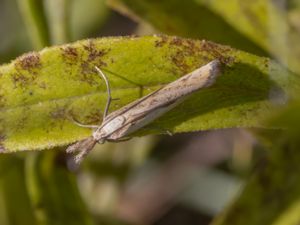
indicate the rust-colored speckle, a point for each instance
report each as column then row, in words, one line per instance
column 20, row 80
column 85, row 68
column 29, row 61
column 27, row 67
column 186, row 50
column 87, row 73
column 176, row 41
column 162, row 41
column 93, row 52
column 187, row 44
column 218, row 51
column 94, row 117
column 94, row 58
column 178, row 60
column 70, row 53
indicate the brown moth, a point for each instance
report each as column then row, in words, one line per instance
column 130, row 118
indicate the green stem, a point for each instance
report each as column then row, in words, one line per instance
column 35, row 21
column 58, row 15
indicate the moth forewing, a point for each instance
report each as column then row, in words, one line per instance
column 202, row 77
column 83, row 147
column 141, row 112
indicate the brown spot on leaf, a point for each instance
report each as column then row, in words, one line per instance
column 29, row 61
column 186, row 49
column 27, row 67
column 217, row 51
column 95, row 117
column 190, row 51
column 186, row 44
column 88, row 73
column 70, row 54
column 162, row 41
column 20, row 80
column 94, row 58
column 70, row 51
column 94, row 53
column 179, row 60
column 177, row 41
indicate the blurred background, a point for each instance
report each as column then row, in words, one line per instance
column 181, row 179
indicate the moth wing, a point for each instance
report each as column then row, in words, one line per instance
column 82, row 147
column 127, row 107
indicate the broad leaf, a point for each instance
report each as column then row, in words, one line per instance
column 190, row 18
column 41, row 91
column 248, row 25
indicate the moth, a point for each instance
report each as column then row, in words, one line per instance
column 119, row 124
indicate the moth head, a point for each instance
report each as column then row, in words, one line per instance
column 99, row 136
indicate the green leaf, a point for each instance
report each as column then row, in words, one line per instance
column 40, row 91
column 275, row 180
column 53, row 191
column 58, row 16
column 15, row 207
column 267, row 23
column 83, row 26
column 35, row 21
column 271, row 195
column 190, row 18
column 263, row 27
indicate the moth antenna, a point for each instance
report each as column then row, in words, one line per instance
column 108, row 91
column 82, row 125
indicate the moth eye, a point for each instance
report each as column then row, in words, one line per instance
column 101, row 141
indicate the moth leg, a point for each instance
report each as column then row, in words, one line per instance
column 120, row 139
column 164, row 131
column 109, row 99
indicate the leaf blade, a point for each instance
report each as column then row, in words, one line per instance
column 41, row 90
